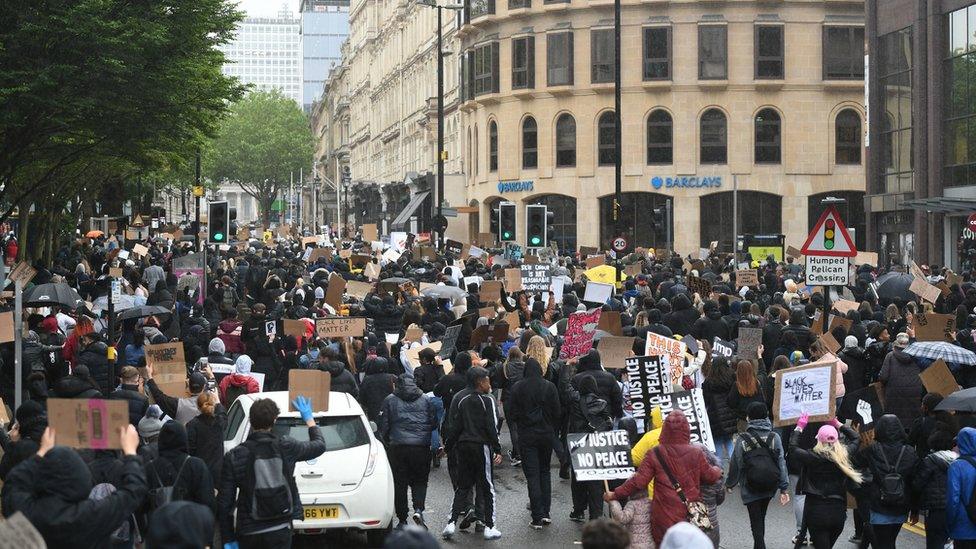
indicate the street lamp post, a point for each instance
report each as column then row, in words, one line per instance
column 440, row 103
column 618, row 157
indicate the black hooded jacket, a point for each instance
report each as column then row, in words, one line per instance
column 454, row 382
column 710, row 326
column 607, row 387
column 386, row 314
column 95, row 357
column 52, row 492
column 33, row 421
column 682, row 316
column 406, row 417
column 882, row 458
column 195, row 482
column 533, row 405
column 930, row 480
column 342, row 379
column 819, row 476
column 138, row 403
column 377, row 385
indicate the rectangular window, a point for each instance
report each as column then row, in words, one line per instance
column 657, row 53
column 769, row 52
column 478, row 8
column 486, row 69
column 959, row 106
column 713, row 52
column 895, row 79
column 559, row 59
column 523, row 62
column 601, row 56
column 517, row 4
column 843, row 53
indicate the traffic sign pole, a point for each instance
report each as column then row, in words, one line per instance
column 828, row 250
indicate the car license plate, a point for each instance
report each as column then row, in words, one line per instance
column 318, row 512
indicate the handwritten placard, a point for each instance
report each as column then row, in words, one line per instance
column 747, row 277
column 935, row 327
column 580, row 329
column 88, row 423
column 924, row 290
column 614, row 351
column 804, row 389
column 338, row 326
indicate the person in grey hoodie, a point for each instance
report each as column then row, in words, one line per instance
column 405, row 422
column 759, row 432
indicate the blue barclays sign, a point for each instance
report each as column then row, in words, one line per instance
column 515, row 186
column 686, row 182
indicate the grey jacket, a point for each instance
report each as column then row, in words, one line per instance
column 760, row 428
column 407, row 416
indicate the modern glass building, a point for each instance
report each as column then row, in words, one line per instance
column 324, row 26
column 266, row 53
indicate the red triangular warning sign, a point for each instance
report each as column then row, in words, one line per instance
column 829, row 237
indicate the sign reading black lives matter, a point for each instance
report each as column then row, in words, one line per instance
column 535, row 278
column 600, row 456
column 692, row 403
column 449, row 341
column 648, row 379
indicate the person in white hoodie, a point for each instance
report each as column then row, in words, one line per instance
column 684, row 535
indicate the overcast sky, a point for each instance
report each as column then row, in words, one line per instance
column 267, row 8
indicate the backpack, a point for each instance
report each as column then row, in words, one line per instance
column 596, row 414
column 164, row 494
column 124, row 533
column 270, row 494
column 971, row 503
column 893, row 483
column 759, row 463
column 228, row 300
column 233, row 392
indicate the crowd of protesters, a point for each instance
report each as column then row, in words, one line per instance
column 913, row 458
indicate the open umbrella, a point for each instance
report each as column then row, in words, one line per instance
column 893, row 285
column 443, row 292
column 95, row 233
column 960, row 401
column 50, row 294
column 125, row 302
column 934, row 350
column 603, row 273
column 144, row 311
column 395, row 280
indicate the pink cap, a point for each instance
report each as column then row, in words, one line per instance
column 827, row 434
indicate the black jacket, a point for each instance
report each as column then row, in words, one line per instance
column 682, row 316
column 377, row 385
column 406, row 417
column 71, row 386
column 856, row 376
column 52, row 492
column 889, row 439
column 453, row 383
column 903, row 389
column 607, row 387
column 710, row 326
column 95, row 357
column 194, row 483
column 533, row 405
column 804, row 337
column 138, row 403
column 233, row 475
column 205, row 440
column 772, row 334
column 472, row 418
column 820, row 476
column 386, row 314
column 722, row 417
column 342, row 379
column 931, row 478
column 426, row 376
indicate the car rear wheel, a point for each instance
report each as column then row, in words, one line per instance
column 376, row 538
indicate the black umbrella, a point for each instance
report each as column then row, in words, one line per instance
column 960, row 401
column 50, row 294
column 141, row 312
column 894, row 285
column 395, row 280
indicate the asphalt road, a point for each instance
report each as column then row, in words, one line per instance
column 513, row 518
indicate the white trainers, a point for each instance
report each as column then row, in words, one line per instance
column 448, row 532
column 492, row 533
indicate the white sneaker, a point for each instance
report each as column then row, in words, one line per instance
column 448, row 532
column 492, row 533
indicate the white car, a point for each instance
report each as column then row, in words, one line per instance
column 350, row 486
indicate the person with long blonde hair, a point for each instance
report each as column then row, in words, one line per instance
column 826, row 472
column 537, row 349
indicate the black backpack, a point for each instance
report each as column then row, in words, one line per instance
column 892, row 483
column 759, row 463
column 971, row 502
column 164, row 494
column 596, row 414
column 270, row 496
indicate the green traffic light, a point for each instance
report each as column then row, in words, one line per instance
column 536, row 240
column 507, row 235
column 218, row 236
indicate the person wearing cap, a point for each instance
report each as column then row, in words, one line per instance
column 902, row 386
column 131, row 392
column 181, row 409
column 825, row 472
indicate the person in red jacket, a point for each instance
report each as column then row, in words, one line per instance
column 241, row 382
column 687, row 463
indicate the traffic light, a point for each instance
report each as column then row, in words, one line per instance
column 550, row 226
column 535, row 232
column 506, row 222
column 829, row 231
column 493, row 222
column 218, row 218
column 657, row 219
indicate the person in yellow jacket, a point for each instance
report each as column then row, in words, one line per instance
column 647, row 443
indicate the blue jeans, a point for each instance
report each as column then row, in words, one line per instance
column 723, row 449
column 435, row 436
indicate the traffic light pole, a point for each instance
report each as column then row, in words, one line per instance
column 197, row 198
column 617, row 133
column 440, row 124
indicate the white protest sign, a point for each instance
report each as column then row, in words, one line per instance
column 804, row 389
column 597, row 292
column 692, row 404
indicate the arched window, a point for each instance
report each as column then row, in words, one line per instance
column 470, row 168
column 475, row 167
column 606, row 139
column 492, row 146
column 714, row 137
column 847, row 142
column 565, row 141
column 660, row 138
column 530, row 144
column 768, row 137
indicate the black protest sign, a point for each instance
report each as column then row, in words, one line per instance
column 700, row 286
column 722, row 348
column 692, row 404
column 453, row 247
column 535, row 278
column 648, row 378
column 600, row 456
column 449, row 341
column 862, row 407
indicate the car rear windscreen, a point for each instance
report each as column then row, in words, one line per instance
column 340, row 432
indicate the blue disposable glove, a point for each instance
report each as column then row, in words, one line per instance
column 304, row 407
column 231, row 545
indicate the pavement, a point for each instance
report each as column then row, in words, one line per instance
column 512, row 519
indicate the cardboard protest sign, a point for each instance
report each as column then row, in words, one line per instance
column 634, row 269
column 952, row 278
column 580, row 329
column 22, row 272
column 844, row 305
column 140, row 250
column 372, row 271
column 866, row 258
column 535, row 278
column 169, row 366
column 333, row 294
column 648, row 377
column 837, row 320
column 804, row 389
column 316, row 253
column 700, row 286
column 748, row 342
column 924, row 290
column 294, row 328
column 413, row 333
column 934, row 327
column 596, row 261
column 793, row 252
column 513, row 280
column 413, row 354
column 692, row 404
column 6, row 327
column 746, row 277
column 938, row 379
column 615, row 350
column 610, row 323
column 4, row 414
column 369, row 232
column 915, row 270
column 88, row 422
column 357, row 289
column 824, row 344
column 340, row 326
column 449, row 341
column 722, row 348
column 513, row 321
column 491, row 291
column 586, row 251
column 603, row 455
column 487, row 312
column 659, row 345
column 311, row 384
column 597, row 292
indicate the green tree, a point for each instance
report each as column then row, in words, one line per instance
column 261, row 143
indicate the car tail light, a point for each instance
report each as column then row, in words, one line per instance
column 371, row 462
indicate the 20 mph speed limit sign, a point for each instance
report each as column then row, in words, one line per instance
column 619, row 244
column 827, row 270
